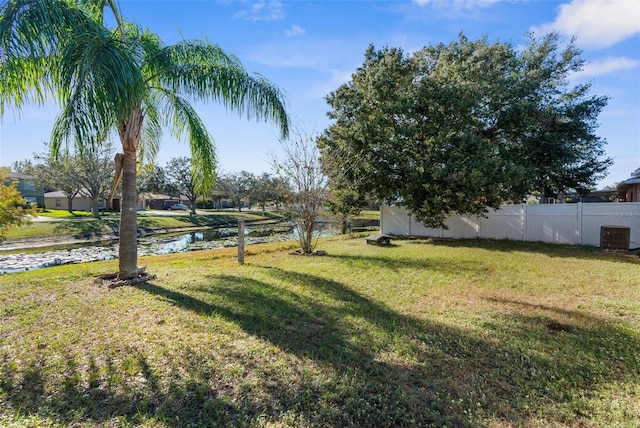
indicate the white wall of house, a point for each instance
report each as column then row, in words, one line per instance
column 562, row 223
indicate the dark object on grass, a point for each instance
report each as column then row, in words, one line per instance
column 112, row 280
column 313, row 253
column 378, row 239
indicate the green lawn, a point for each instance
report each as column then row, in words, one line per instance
column 421, row 333
column 66, row 213
column 368, row 215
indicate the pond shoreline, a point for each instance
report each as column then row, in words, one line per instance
column 175, row 241
column 70, row 240
column 41, row 252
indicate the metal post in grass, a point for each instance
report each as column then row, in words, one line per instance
column 241, row 242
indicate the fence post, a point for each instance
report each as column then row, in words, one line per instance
column 579, row 220
column 241, row 242
column 523, row 218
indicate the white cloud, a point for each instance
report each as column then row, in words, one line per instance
column 596, row 23
column 262, row 11
column 608, row 65
column 458, row 4
column 295, row 30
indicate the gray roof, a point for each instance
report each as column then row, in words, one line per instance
column 628, row 182
column 83, row 193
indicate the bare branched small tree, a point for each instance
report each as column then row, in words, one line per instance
column 300, row 167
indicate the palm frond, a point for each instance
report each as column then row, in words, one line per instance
column 185, row 124
column 151, row 131
column 24, row 81
column 93, row 8
column 103, row 62
column 30, row 32
column 52, row 47
column 204, row 72
column 98, row 82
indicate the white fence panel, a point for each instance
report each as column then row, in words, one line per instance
column 552, row 223
column 564, row 223
column 419, row 229
column 507, row 222
column 462, row 227
column 395, row 221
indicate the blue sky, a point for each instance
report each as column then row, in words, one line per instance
column 310, row 48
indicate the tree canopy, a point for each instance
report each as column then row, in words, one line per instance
column 462, row 127
column 61, row 172
column 180, row 174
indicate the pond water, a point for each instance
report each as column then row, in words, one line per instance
column 158, row 244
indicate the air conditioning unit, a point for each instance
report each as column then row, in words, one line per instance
column 615, row 238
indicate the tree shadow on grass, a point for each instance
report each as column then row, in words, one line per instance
column 119, row 393
column 415, row 372
column 343, row 359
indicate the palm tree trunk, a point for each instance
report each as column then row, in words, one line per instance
column 128, row 245
column 130, row 131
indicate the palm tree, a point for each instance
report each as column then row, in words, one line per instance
column 123, row 80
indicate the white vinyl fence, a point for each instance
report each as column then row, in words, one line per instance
column 563, row 223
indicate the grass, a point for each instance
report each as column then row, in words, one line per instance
column 422, row 333
column 368, row 215
column 64, row 213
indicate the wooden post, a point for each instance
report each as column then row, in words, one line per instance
column 241, row 242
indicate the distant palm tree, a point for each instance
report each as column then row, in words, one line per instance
column 123, row 80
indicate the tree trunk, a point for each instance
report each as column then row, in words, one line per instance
column 305, row 229
column 130, row 131
column 128, row 245
column 70, row 204
column 96, row 211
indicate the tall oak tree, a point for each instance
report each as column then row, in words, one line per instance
column 462, row 127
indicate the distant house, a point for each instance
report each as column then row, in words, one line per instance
column 28, row 188
column 162, row 202
column 629, row 190
column 82, row 202
column 230, row 203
